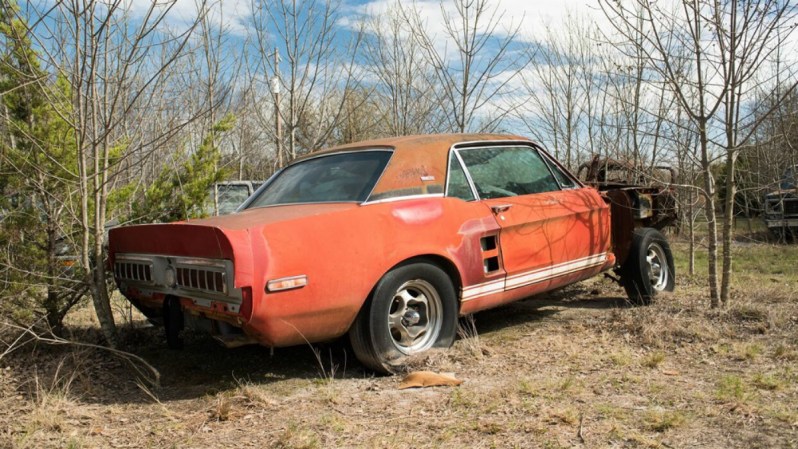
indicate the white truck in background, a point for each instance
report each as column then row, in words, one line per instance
column 225, row 197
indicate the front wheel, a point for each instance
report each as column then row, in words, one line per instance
column 412, row 309
column 648, row 269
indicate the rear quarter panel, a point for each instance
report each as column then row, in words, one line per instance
column 345, row 253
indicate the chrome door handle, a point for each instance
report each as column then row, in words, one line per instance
column 499, row 208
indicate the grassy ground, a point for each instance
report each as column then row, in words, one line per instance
column 575, row 369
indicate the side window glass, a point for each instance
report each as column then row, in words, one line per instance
column 564, row 180
column 457, row 186
column 500, row 172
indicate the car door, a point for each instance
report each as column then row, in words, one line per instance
column 546, row 222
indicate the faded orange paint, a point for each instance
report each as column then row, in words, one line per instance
column 345, row 248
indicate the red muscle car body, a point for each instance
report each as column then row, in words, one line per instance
column 303, row 260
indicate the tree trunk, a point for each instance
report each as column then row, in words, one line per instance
column 96, row 266
column 728, row 226
column 709, row 211
column 691, row 233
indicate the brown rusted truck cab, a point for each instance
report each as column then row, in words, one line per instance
column 638, row 197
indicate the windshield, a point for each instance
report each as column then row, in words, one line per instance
column 344, row 177
column 231, row 196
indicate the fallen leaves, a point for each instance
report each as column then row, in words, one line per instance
column 424, row 379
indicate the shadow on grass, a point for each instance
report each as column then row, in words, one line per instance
column 203, row 367
column 539, row 308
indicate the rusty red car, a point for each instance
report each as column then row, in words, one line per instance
column 389, row 241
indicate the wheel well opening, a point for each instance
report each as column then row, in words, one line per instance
column 439, row 261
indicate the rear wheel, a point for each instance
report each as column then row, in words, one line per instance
column 649, row 268
column 412, row 309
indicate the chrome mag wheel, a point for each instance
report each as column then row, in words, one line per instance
column 414, row 317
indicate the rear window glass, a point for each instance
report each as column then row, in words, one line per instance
column 346, row 177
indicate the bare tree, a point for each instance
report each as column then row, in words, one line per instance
column 249, row 138
column 311, row 64
column 707, row 52
column 475, row 76
column 747, row 33
column 587, row 98
column 218, row 77
column 553, row 113
column 403, row 83
column 775, row 144
column 564, row 89
column 115, row 65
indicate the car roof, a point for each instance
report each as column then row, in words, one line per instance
column 419, row 163
column 421, row 142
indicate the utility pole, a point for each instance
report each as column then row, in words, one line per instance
column 278, row 123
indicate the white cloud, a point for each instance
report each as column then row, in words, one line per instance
column 531, row 17
column 232, row 15
column 538, row 16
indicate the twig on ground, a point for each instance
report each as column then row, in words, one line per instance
column 146, row 371
column 580, row 433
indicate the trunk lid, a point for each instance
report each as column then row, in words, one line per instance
column 214, row 237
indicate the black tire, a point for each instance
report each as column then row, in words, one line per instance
column 784, row 234
column 649, row 268
column 413, row 308
column 778, row 234
column 173, row 322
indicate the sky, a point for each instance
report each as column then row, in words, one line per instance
column 535, row 19
column 531, row 15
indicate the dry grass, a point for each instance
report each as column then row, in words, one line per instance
column 659, row 420
column 46, row 404
column 581, row 371
column 468, row 337
column 51, row 402
column 254, row 395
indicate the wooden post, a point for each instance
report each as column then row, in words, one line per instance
column 278, row 124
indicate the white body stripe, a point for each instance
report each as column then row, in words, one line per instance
column 487, row 288
column 532, row 277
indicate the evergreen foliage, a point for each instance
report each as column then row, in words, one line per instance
column 41, row 273
column 183, row 193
